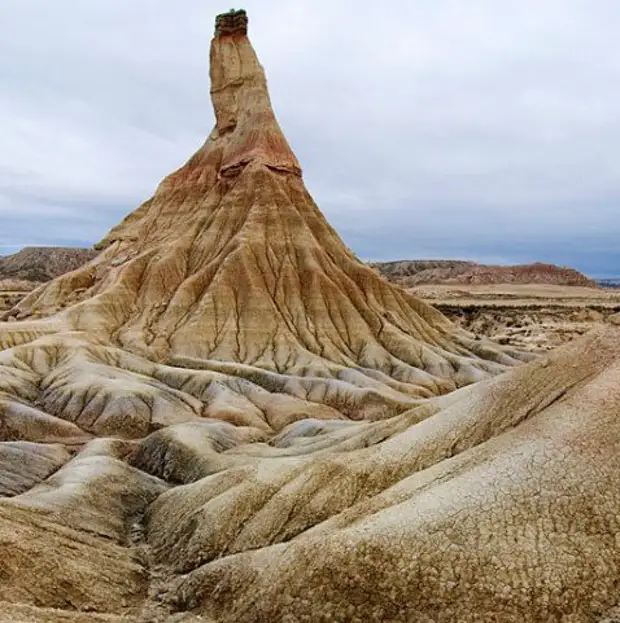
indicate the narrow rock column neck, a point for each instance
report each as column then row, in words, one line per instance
column 246, row 130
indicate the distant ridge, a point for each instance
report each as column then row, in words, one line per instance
column 40, row 264
column 421, row 272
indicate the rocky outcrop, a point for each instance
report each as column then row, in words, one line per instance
column 245, row 423
column 410, row 273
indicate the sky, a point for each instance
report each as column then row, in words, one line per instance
column 478, row 130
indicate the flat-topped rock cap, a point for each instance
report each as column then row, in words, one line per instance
column 235, row 22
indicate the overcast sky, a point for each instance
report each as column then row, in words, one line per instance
column 479, row 129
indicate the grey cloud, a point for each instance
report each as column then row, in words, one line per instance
column 482, row 130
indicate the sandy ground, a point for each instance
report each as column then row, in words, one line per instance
column 531, row 317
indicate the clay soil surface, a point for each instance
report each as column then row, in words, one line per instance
column 535, row 317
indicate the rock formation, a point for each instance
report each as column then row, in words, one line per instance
column 525, row 317
column 231, row 261
column 224, row 416
column 410, row 273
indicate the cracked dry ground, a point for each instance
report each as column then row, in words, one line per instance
column 225, row 416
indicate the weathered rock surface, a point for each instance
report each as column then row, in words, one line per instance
column 224, row 416
column 12, row 291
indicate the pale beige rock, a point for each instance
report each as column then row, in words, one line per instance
column 519, row 525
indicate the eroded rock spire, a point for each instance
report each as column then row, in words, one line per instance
column 246, row 128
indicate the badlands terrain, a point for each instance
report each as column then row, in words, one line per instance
column 533, row 317
column 225, row 416
column 533, row 307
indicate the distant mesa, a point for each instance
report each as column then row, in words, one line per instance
column 610, row 282
column 411, row 273
column 24, row 271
